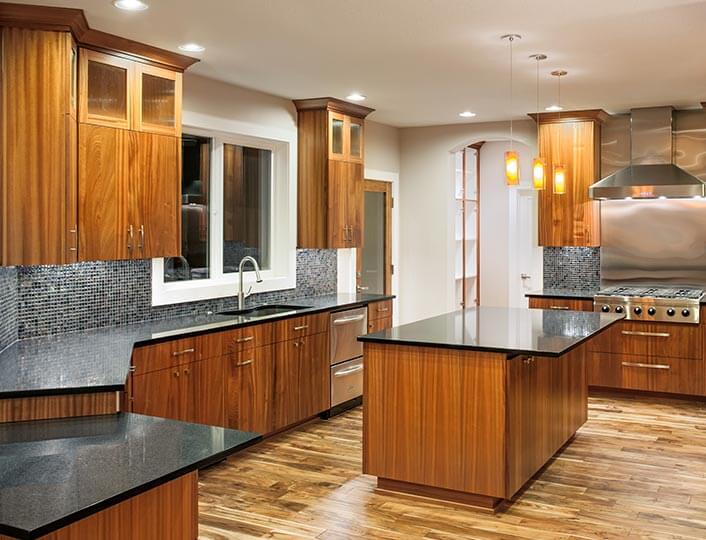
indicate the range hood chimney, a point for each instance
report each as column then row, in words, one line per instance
column 651, row 173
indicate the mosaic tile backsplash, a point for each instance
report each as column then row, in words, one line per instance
column 8, row 306
column 572, row 268
column 60, row 299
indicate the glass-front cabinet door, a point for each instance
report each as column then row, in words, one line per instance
column 355, row 139
column 158, row 100
column 337, row 139
column 105, row 91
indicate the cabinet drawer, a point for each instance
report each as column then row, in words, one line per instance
column 655, row 374
column 248, row 337
column 623, row 338
column 148, row 358
column 301, row 326
column 379, row 310
column 566, row 304
column 676, row 341
column 379, row 325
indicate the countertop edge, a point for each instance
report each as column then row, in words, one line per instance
column 116, row 499
column 581, row 295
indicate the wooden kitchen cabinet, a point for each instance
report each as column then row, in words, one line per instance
column 106, row 90
column 38, row 147
column 128, row 194
column 571, row 139
column 568, row 304
column 250, row 388
column 301, row 379
column 157, row 100
column 331, row 152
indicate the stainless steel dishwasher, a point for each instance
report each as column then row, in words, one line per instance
column 347, row 357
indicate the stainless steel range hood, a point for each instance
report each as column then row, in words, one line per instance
column 651, row 173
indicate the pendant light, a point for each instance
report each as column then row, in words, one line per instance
column 559, row 168
column 539, row 169
column 512, row 159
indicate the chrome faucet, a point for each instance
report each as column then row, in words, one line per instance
column 241, row 295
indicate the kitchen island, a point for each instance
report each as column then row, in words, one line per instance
column 469, row 405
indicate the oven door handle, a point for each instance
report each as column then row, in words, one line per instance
column 348, row 320
column 349, row 371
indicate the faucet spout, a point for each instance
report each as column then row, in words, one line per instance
column 258, row 278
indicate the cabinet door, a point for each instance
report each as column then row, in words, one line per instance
column 106, row 89
column 153, row 192
column 285, row 399
column 160, row 393
column 354, row 206
column 250, row 388
column 158, row 100
column 337, row 136
column 204, row 388
column 345, row 226
column 355, row 139
column 378, row 325
column 104, row 233
column 314, row 376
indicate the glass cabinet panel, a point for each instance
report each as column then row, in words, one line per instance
column 107, row 90
column 337, row 135
column 158, row 100
column 356, row 138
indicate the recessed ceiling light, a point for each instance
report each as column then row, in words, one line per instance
column 192, row 47
column 467, row 114
column 554, row 108
column 355, row 96
column 130, row 5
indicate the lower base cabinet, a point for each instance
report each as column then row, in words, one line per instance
column 249, row 389
column 192, row 392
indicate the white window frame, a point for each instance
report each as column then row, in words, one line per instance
column 283, row 216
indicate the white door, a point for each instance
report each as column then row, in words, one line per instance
column 525, row 257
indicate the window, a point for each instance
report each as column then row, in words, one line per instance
column 238, row 198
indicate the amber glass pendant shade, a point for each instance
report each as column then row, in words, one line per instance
column 512, row 168
column 539, row 174
column 559, row 179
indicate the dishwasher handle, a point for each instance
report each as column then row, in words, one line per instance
column 348, row 320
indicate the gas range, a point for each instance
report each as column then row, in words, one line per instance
column 665, row 304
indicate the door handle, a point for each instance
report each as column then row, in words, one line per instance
column 246, row 363
column 141, row 245
column 645, row 334
column 360, row 288
column 349, row 371
column 648, row 366
column 130, row 237
column 348, row 320
column 185, row 351
column 558, row 307
column 525, row 276
column 302, row 327
column 244, row 339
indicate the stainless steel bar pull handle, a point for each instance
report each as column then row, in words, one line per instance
column 348, row 320
column 558, row 307
column 648, row 366
column 141, row 245
column 382, row 309
column 246, row 363
column 645, row 334
column 349, row 371
column 302, row 327
column 185, row 351
column 130, row 237
column 244, row 339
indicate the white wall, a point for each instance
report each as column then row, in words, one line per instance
column 426, row 210
column 495, row 219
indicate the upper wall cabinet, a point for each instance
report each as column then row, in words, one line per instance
column 330, row 179
column 115, row 192
column 573, row 140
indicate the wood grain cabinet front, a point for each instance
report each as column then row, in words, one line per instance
column 250, row 388
column 561, row 304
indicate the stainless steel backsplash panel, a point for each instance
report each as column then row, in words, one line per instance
column 653, row 242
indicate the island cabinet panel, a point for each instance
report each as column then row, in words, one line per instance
column 435, row 417
column 566, row 304
column 62, row 406
column 651, row 339
column 250, row 387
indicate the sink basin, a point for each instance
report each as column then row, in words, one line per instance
column 263, row 311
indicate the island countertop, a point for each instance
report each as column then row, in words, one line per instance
column 56, row 472
column 496, row 329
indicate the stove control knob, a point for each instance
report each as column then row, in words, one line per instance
column 651, row 311
column 619, row 309
column 637, row 310
column 685, row 312
column 605, row 309
column 671, row 312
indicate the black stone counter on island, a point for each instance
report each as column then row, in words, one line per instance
column 98, row 360
column 56, row 472
column 512, row 331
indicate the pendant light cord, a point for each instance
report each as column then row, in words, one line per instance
column 511, row 40
column 537, row 58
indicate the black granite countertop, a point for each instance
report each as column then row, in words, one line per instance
column 55, row 472
column 98, row 360
column 505, row 330
column 584, row 294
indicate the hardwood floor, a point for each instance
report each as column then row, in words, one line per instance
column 635, row 470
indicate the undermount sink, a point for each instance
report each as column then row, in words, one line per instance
column 263, row 311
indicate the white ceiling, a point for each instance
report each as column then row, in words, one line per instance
column 421, row 62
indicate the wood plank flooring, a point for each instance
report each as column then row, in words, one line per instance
column 636, row 470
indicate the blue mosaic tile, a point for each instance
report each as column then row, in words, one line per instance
column 572, row 268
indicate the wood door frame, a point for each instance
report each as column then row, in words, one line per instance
column 379, row 186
